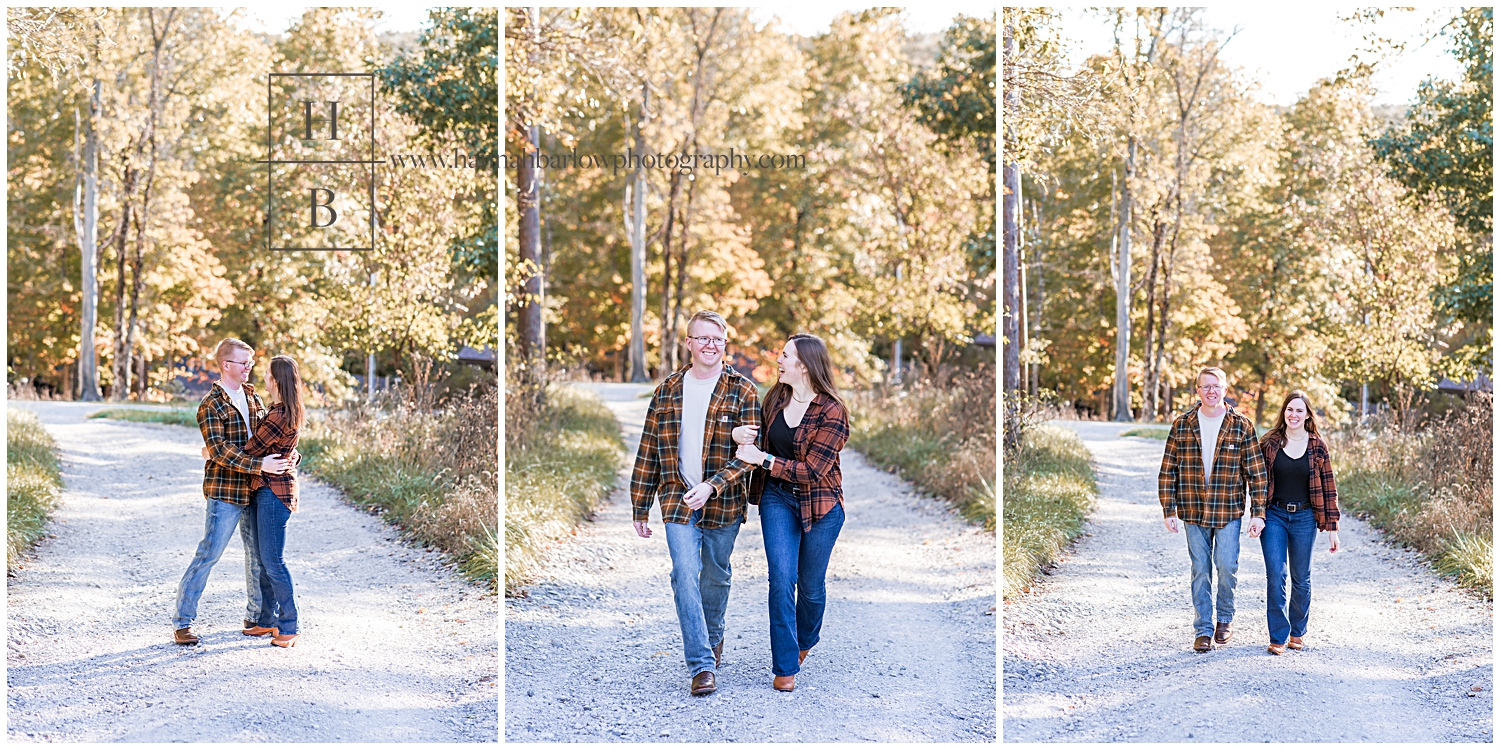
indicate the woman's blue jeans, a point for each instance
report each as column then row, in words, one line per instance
column 798, row 563
column 1287, row 542
column 280, row 609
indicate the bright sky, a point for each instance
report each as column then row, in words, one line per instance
column 1289, row 51
column 277, row 17
column 812, row 19
column 806, row 20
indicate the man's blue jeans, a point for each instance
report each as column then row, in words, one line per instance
column 1213, row 551
column 700, row 586
column 1288, row 537
column 798, row 563
column 280, row 606
column 218, row 527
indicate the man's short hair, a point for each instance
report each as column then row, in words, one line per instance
column 709, row 316
column 229, row 345
column 1223, row 378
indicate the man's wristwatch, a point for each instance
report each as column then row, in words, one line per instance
column 765, row 463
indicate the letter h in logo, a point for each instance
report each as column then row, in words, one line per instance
column 316, row 131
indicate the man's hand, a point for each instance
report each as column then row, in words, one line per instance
column 642, row 530
column 1257, row 525
column 274, row 464
column 745, row 434
column 698, row 496
column 206, row 454
column 1171, row 522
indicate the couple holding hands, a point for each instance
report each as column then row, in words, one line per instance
column 1212, row 459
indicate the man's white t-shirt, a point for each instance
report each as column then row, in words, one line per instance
column 695, row 397
column 1208, row 428
column 238, row 397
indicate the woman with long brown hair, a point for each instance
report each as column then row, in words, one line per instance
column 1302, row 500
column 799, row 489
column 274, row 497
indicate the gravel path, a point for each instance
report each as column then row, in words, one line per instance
column 1101, row 650
column 908, row 652
column 394, row 647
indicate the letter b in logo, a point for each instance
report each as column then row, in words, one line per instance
column 333, row 216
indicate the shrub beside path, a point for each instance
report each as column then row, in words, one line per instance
column 1101, row 650
column 395, row 647
column 594, row 653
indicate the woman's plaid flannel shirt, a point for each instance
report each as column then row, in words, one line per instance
column 813, row 471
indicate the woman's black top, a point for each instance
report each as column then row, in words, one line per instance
column 779, row 434
column 1292, row 476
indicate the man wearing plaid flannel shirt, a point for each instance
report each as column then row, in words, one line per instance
column 686, row 460
column 227, row 417
column 1210, row 462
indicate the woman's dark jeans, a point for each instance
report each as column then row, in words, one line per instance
column 280, row 608
column 1287, row 542
column 798, row 562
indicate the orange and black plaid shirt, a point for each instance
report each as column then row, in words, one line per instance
column 657, row 473
column 814, row 473
column 275, row 435
column 1239, row 467
column 228, row 471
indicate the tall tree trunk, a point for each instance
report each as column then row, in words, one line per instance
column 528, row 188
column 638, row 250
column 1120, row 408
column 1150, row 383
column 681, row 285
column 1010, row 238
column 86, row 222
column 119, row 361
column 142, row 221
column 528, row 202
column 669, row 228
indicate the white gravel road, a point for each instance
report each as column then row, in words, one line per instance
column 394, row 646
column 1101, row 650
column 908, row 650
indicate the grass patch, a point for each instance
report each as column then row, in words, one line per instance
column 556, row 475
column 1428, row 490
column 1050, row 488
column 1155, row 433
column 427, row 468
column 184, row 417
column 33, row 484
column 939, row 435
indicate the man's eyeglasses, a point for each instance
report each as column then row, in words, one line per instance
column 706, row 340
column 1210, row 387
column 246, row 363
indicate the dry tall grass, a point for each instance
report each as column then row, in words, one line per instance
column 1430, row 489
column 428, row 467
column 557, row 472
column 938, row 433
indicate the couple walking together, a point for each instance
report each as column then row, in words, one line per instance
column 1212, row 458
column 704, row 455
column 249, row 481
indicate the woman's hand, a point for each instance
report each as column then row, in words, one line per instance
column 744, row 434
column 206, row 454
column 1333, row 541
column 750, row 454
column 274, row 464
